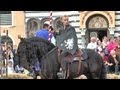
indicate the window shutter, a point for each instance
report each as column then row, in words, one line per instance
column 5, row 19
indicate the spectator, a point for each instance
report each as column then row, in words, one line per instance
column 112, row 65
column 10, row 60
column 100, row 48
column 93, row 44
column 43, row 33
column 112, row 45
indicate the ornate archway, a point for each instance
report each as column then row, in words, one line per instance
column 97, row 26
column 96, row 22
column 110, row 15
column 92, row 20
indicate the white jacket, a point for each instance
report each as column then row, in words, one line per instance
column 53, row 40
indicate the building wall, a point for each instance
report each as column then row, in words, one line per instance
column 75, row 20
column 85, row 15
column 20, row 19
column 117, row 22
column 17, row 28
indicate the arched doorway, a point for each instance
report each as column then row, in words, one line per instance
column 97, row 26
column 6, row 39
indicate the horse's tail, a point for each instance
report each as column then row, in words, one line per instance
column 103, row 72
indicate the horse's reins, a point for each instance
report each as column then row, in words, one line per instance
column 79, row 66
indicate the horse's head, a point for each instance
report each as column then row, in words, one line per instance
column 32, row 50
column 29, row 52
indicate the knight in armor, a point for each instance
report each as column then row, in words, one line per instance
column 66, row 37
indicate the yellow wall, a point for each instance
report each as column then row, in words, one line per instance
column 18, row 27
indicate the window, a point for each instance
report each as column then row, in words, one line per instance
column 57, row 23
column 43, row 21
column 5, row 18
column 6, row 39
column 33, row 25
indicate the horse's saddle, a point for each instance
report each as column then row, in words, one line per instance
column 79, row 55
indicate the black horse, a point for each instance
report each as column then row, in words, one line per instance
column 92, row 66
column 35, row 49
column 31, row 51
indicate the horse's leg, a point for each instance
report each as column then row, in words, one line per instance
column 42, row 77
column 34, row 76
column 94, row 76
column 64, row 68
column 103, row 72
column 98, row 74
column 85, row 69
column 94, row 73
column 67, row 71
column 64, row 72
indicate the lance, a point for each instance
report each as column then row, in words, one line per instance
column 50, row 25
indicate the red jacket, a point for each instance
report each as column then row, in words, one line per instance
column 111, row 46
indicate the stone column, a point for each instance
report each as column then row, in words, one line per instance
column 83, row 30
column 111, row 29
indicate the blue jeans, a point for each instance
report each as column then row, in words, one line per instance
column 110, row 69
column 117, row 69
column 37, row 66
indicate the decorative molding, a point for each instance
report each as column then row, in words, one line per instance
column 110, row 16
column 108, row 13
column 97, row 22
column 111, row 29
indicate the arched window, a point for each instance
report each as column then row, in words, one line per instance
column 5, row 18
column 44, row 20
column 32, row 26
column 6, row 39
column 57, row 23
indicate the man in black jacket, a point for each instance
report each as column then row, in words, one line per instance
column 66, row 41
column 66, row 37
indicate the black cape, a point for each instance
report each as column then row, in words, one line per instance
column 67, row 39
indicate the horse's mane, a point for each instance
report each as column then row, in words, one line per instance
column 50, row 52
column 35, row 48
column 38, row 39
